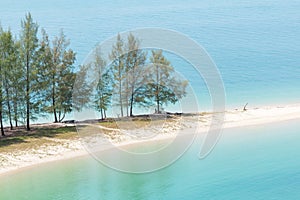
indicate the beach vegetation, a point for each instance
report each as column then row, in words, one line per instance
column 38, row 76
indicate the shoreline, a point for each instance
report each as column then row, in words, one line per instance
column 68, row 149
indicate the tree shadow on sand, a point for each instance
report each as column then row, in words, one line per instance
column 20, row 135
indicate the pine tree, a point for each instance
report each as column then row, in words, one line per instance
column 2, row 63
column 83, row 88
column 8, row 67
column 9, row 59
column 103, row 88
column 164, row 87
column 17, row 83
column 135, row 72
column 28, row 48
column 43, row 75
column 65, row 81
column 57, row 66
column 35, row 78
column 118, row 71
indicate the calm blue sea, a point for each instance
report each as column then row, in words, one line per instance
column 256, row 46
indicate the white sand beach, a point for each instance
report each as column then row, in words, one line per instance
column 67, row 148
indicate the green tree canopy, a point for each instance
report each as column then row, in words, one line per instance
column 28, row 49
column 164, row 87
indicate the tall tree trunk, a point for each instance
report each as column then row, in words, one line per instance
column 1, row 96
column 157, row 90
column 8, row 107
column 2, row 129
column 9, row 116
column 157, row 104
column 131, row 104
column 121, row 105
column 54, row 110
column 104, row 114
column 1, row 117
column 59, row 113
column 100, row 105
column 53, row 99
column 120, row 93
column 101, row 111
column 62, row 118
column 15, row 109
column 126, row 97
column 27, row 95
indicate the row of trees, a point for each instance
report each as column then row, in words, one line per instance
column 36, row 76
column 133, row 78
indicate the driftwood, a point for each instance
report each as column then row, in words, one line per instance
column 245, row 107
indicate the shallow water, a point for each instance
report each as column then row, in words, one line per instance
column 248, row 163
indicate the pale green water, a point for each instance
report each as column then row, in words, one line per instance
column 260, row 162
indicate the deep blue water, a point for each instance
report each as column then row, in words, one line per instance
column 255, row 44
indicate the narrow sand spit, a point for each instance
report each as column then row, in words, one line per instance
column 59, row 149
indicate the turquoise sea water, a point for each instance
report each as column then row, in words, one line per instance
column 256, row 46
column 259, row 162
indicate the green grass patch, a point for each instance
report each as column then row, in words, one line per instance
column 22, row 140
